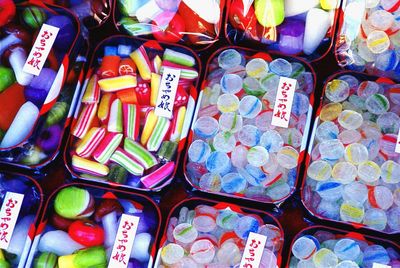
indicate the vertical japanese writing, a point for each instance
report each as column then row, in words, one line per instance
column 283, row 102
column 40, row 49
column 253, row 251
column 8, row 217
column 124, row 241
column 167, row 92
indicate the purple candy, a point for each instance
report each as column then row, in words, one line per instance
column 49, row 138
column 66, row 33
column 39, row 87
column 291, row 34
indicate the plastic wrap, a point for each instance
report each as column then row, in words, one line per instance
column 189, row 22
column 368, row 37
column 303, row 28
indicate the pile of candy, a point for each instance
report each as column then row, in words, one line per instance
column 235, row 149
column 290, row 26
column 83, row 227
column 370, row 37
column 15, row 255
column 119, row 136
column 214, row 237
column 322, row 248
column 190, row 21
column 354, row 174
column 22, row 94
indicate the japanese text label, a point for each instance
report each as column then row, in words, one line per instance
column 167, row 92
column 40, row 49
column 283, row 102
column 253, row 251
column 124, row 241
column 8, row 217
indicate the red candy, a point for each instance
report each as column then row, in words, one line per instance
column 7, row 11
column 174, row 31
column 181, row 98
column 143, row 93
column 86, row 233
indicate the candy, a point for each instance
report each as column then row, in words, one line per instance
column 139, row 153
column 49, row 242
column 159, row 175
column 317, row 25
column 90, row 142
column 127, row 67
column 7, row 78
column 115, row 119
column 94, row 256
column 46, row 259
column 21, row 126
column 85, row 119
column 167, row 150
column 150, row 123
column 128, row 96
column 117, row 83
column 206, row 127
column 109, row 66
column 155, row 84
column 92, row 92
column 87, row 166
column 142, row 61
column 57, row 113
column 124, row 159
column 250, row 107
column 172, row 253
column 74, row 203
column 131, row 121
column 269, row 13
column 104, row 108
column 107, row 147
column 178, row 58
column 86, row 233
column 177, row 124
column 17, row 59
column 158, row 134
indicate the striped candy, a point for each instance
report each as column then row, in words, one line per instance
column 123, row 158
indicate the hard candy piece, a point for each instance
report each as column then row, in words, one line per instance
column 74, row 203
column 50, row 242
column 7, row 78
column 269, row 13
column 317, row 25
column 46, row 260
column 37, row 90
column 291, row 35
column 33, row 17
column 296, row 7
column 21, row 125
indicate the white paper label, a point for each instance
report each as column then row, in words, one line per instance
column 397, row 150
column 246, row 6
column 253, row 251
column 124, row 241
column 41, row 49
column 8, row 217
column 378, row 265
column 283, row 102
column 167, row 92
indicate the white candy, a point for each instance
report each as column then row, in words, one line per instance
column 208, row 10
column 317, row 24
column 59, row 243
column 296, row 7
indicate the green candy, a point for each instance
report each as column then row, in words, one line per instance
column 46, row 260
column 72, row 202
column 94, row 257
column 270, row 13
column 133, row 27
column 7, row 78
column 33, row 157
column 117, row 174
column 57, row 113
column 33, row 17
column 167, row 150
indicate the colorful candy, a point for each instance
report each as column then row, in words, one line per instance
column 85, row 120
column 90, row 142
column 158, row 175
column 353, row 154
column 131, row 120
column 92, row 92
column 139, row 153
column 115, row 119
column 117, row 83
column 142, row 61
column 125, row 160
column 107, row 147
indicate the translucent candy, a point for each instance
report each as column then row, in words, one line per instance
column 344, row 172
column 257, row 68
column 329, row 190
column 253, row 87
column 224, row 142
column 347, row 249
column 253, row 175
column 257, row 156
column 227, row 219
column 327, row 131
column 281, row 67
column 199, row 151
column 231, row 122
column 375, row 254
column 249, row 135
column 369, row 172
column 356, row 153
column 229, row 58
column 367, row 88
column 351, row 211
column 337, row 90
column 355, row 192
column 231, row 83
column 377, row 104
column 272, row 141
column 250, row 106
column 206, row 127
column 319, row 170
column 381, row 20
column 378, row 42
column 330, row 111
column 185, row 233
column 172, row 253
column 210, row 182
column 245, row 225
column 239, row 156
column 331, row 150
column 349, row 119
column 228, row 103
column 325, row 258
column 390, row 172
column 375, row 219
column 233, row 183
column 304, row 247
column 287, row 157
column 218, row 162
column 389, row 122
column 380, row 197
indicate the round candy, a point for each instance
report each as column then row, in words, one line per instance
column 356, row 153
column 231, row 122
column 250, row 107
column 325, row 258
column 239, row 156
column 347, row 249
column 331, row 150
column 351, row 211
column 199, row 151
column 380, row 197
column 210, row 182
column 337, row 90
column 257, row 68
column 349, row 119
column 206, row 127
column 287, row 157
column 378, row 42
column 185, row 233
column 229, row 58
column 319, row 170
column 33, row 17
column 172, row 253
column 253, row 87
column 281, row 67
column 227, row 219
column 304, row 248
column 231, row 83
column 245, row 225
column 227, row 103
column 327, row 131
column 257, row 156
column 224, row 142
column 218, row 162
column 271, row 140
column 344, row 172
column 377, row 104
column 249, row 135
column 375, row 219
column 74, row 203
column 233, row 183
column 369, row 172
column 202, row 251
column 390, row 172
column 329, row 190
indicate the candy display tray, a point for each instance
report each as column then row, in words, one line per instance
column 76, row 52
column 238, row 37
column 306, row 196
column 250, row 53
column 184, row 41
column 35, row 225
column 158, row 46
column 192, row 202
column 342, row 234
column 99, row 193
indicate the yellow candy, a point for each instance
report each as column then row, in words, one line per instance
column 329, row 4
column 155, row 84
column 117, row 83
column 177, row 127
column 330, row 111
column 151, row 121
column 378, row 42
column 104, row 107
column 351, row 212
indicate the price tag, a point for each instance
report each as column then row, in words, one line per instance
column 41, row 49
column 167, row 92
column 283, row 102
column 8, row 217
column 124, row 241
column 253, row 251
column 246, row 6
column 397, row 150
column 378, row 265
